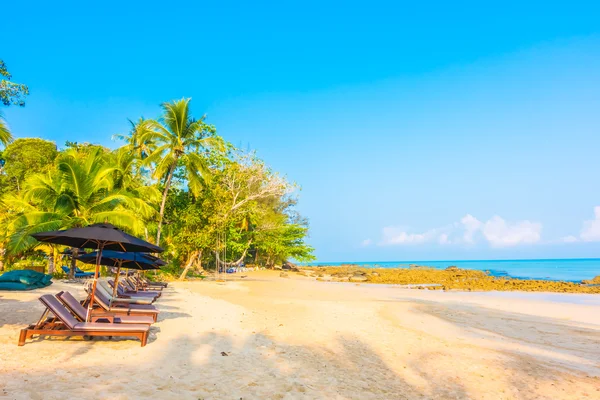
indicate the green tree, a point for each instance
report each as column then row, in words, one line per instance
column 11, row 92
column 280, row 239
column 5, row 135
column 178, row 140
column 83, row 188
column 25, row 157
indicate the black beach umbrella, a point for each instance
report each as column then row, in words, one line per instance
column 101, row 237
column 119, row 259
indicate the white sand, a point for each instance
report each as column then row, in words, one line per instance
column 298, row 338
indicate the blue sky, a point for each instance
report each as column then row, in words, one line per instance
column 417, row 131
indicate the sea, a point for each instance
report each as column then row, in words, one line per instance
column 573, row 270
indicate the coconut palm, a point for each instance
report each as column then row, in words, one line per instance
column 85, row 188
column 135, row 146
column 178, row 140
column 5, row 135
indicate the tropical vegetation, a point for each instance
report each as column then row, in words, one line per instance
column 175, row 182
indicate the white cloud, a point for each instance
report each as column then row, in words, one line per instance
column 471, row 226
column 398, row 236
column 496, row 231
column 591, row 228
column 569, row 239
column 499, row 233
column 366, row 242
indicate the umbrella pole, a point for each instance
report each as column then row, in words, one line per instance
column 96, row 273
column 117, row 279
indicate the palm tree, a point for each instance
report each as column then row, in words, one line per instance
column 135, row 146
column 177, row 140
column 85, row 188
column 5, row 135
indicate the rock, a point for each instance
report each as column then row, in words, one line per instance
column 284, row 274
column 288, row 266
column 374, row 273
column 341, row 279
column 452, row 268
column 343, row 274
column 358, row 278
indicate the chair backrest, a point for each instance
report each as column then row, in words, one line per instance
column 59, row 310
column 65, row 269
column 101, row 299
column 73, row 304
column 131, row 285
column 104, row 285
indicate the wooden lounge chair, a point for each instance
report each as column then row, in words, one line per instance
column 80, row 313
column 105, row 287
column 145, row 282
column 65, row 324
column 116, row 307
column 133, row 283
column 130, row 287
column 124, row 291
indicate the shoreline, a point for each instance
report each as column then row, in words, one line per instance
column 448, row 279
column 510, row 268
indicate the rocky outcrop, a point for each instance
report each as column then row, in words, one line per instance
column 288, row 266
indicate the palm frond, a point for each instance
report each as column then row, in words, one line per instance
column 5, row 135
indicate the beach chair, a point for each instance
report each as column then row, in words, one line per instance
column 80, row 313
column 65, row 324
column 131, row 287
column 108, row 290
column 124, row 292
column 135, row 284
column 78, row 273
column 148, row 283
column 116, row 307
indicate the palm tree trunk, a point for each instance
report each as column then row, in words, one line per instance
column 164, row 201
column 2, row 252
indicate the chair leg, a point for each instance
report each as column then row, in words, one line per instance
column 22, row 337
column 144, row 338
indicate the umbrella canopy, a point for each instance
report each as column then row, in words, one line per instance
column 101, row 237
column 92, row 236
column 119, row 259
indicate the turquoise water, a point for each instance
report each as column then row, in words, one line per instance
column 575, row 269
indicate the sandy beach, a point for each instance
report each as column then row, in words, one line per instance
column 267, row 337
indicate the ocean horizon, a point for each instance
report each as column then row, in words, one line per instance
column 558, row 269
